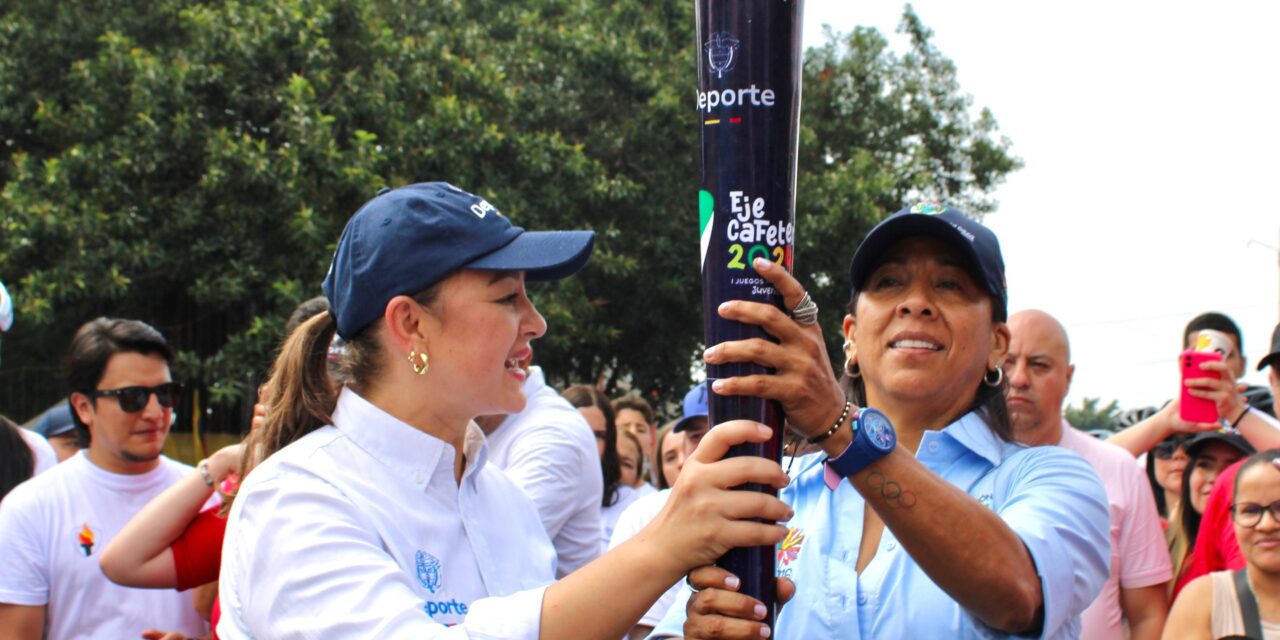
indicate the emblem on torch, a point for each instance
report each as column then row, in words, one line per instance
column 722, row 52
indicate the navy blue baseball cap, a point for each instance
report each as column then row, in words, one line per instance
column 407, row 239
column 55, row 421
column 945, row 223
column 695, row 406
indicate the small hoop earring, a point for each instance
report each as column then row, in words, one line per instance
column 986, row 378
column 847, row 344
column 852, row 368
column 418, row 361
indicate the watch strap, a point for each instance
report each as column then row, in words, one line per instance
column 860, row 453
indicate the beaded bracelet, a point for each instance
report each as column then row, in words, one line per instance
column 848, row 406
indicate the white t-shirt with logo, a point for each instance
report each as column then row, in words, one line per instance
column 360, row 530
column 549, row 451
column 42, row 453
column 52, row 529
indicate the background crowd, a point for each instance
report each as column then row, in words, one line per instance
column 993, row 515
column 1190, row 547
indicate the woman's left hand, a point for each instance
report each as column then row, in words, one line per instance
column 1223, row 390
column 804, row 382
column 718, row 610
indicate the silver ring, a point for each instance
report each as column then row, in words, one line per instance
column 690, row 584
column 806, row 312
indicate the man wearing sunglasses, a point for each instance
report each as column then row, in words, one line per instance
column 53, row 527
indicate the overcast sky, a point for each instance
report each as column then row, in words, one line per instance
column 1150, row 140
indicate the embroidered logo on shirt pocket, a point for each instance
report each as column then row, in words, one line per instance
column 429, row 571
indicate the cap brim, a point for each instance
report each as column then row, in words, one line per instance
column 899, row 228
column 542, row 255
column 1234, row 440
column 1271, row 360
column 55, row 421
column 683, row 425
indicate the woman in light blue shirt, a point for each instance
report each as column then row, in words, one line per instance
column 920, row 518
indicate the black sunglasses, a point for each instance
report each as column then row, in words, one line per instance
column 134, row 399
column 1169, row 446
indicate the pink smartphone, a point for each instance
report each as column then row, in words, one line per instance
column 1191, row 408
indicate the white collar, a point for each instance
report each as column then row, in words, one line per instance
column 404, row 449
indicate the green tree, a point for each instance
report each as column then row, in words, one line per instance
column 880, row 130
column 1089, row 416
column 192, row 164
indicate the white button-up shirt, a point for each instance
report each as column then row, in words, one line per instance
column 549, row 451
column 359, row 530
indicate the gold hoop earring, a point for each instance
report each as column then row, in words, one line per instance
column 418, row 361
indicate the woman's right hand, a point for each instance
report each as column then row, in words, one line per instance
column 717, row 610
column 704, row 517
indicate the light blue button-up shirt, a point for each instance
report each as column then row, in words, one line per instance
column 1050, row 497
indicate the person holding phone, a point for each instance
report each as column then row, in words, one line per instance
column 1219, row 386
column 370, row 511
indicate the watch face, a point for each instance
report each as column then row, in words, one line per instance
column 879, row 430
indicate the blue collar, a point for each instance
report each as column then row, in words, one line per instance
column 973, row 433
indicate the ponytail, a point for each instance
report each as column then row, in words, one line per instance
column 301, row 394
column 302, row 390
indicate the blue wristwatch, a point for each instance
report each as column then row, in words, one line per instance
column 873, row 438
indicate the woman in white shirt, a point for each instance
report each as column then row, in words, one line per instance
column 368, row 511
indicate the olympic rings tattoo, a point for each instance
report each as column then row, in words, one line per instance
column 891, row 491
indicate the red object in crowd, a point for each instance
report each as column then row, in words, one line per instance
column 1216, row 546
column 197, row 555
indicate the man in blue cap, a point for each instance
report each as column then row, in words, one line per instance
column 56, row 425
column 694, row 422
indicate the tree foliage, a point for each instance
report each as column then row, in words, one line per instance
column 1089, row 416
column 192, row 164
